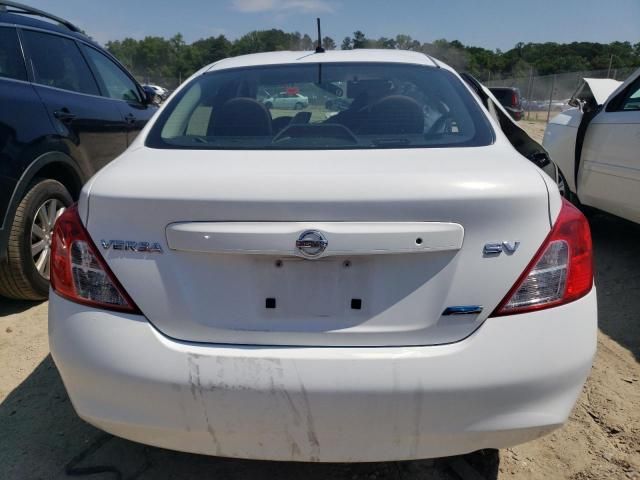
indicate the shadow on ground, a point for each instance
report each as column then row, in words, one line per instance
column 617, row 265
column 42, row 438
column 9, row 307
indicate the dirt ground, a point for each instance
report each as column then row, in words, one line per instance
column 42, row 438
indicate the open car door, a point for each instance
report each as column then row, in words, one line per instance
column 609, row 168
column 564, row 135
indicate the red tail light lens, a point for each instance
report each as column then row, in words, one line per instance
column 561, row 271
column 79, row 273
column 514, row 99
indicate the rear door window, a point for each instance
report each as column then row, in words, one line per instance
column 117, row 84
column 632, row 101
column 11, row 62
column 57, row 62
column 323, row 106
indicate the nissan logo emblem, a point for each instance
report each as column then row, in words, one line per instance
column 311, row 243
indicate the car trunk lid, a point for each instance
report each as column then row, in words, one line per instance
column 404, row 230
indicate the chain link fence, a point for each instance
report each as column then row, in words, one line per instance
column 146, row 78
column 543, row 95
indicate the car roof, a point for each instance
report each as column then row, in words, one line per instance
column 330, row 56
column 21, row 20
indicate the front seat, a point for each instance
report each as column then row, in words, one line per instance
column 393, row 115
column 240, row 117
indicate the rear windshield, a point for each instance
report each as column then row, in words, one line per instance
column 323, row 106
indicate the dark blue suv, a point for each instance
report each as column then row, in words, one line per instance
column 67, row 108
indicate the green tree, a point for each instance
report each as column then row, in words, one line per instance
column 156, row 58
column 208, row 50
column 328, row 43
column 405, row 42
column 384, row 42
column 359, row 40
column 307, row 43
column 262, row 41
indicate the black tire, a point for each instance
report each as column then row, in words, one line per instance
column 572, row 197
column 564, row 189
column 19, row 277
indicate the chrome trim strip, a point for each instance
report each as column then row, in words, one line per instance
column 462, row 310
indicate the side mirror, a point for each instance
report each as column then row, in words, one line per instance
column 540, row 159
column 150, row 96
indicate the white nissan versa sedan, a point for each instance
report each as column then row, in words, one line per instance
column 393, row 281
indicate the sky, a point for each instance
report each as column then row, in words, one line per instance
column 490, row 24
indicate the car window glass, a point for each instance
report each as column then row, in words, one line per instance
column 346, row 105
column 632, row 102
column 57, row 62
column 11, row 63
column 117, row 83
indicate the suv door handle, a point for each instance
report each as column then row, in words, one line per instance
column 64, row 115
column 130, row 118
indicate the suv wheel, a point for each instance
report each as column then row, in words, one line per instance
column 25, row 272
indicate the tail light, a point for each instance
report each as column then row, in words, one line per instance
column 514, row 99
column 560, row 272
column 79, row 273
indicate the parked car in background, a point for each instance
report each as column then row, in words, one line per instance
column 509, row 97
column 596, row 146
column 287, row 101
column 67, row 108
column 535, row 105
column 390, row 282
column 160, row 91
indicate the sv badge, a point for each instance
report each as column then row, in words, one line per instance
column 497, row 248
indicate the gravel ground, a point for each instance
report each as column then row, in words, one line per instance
column 42, row 438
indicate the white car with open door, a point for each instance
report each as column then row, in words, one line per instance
column 389, row 282
column 596, row 145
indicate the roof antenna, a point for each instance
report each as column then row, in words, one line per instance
column 319, row 48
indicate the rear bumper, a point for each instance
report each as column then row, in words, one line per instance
column 515, row 379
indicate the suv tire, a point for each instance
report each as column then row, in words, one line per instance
column 19, row 276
